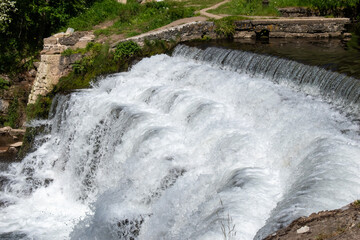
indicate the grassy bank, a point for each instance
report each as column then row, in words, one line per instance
column 129, row 19
column 256, row 8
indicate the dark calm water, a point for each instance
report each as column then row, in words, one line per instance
column 331, row 54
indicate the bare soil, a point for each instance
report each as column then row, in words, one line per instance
column 340, row 224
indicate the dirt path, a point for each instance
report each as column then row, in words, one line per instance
column 210, row 15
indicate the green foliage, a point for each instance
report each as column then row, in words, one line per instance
column 100, row 12
column 206, row 38
column 325, row 5
column 30, row 23
column 40, row 109
column 255, row 7
column 4, row 84
column 13, row 114
column 226, row 27
column 97, row 61
column 126, row 49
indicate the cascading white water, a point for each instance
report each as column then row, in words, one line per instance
column 177, row 148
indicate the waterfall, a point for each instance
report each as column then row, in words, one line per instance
column 182, row 145
column 339, row 88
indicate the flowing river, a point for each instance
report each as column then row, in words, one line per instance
column 203, row 144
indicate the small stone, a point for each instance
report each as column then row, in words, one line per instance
column 12, row 150
column 303, row 229
column 5, row 129
column 69, row 31
column 17, row 144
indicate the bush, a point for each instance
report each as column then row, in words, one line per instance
column 126, row 49
column 40, row 109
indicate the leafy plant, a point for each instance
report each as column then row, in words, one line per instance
column 13, row 114
column 4, row 84
column 40, row 109
column 126, row 49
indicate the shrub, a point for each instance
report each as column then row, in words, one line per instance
column 4, row 84
column 40, row 109
column 126, row 49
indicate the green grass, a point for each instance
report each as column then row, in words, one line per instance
column 132, row 18
column 100, row 12
column 255, row 7
column 225, row 26
column 244, row 7
column 149, row 16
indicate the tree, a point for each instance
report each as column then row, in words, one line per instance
column 6, row 7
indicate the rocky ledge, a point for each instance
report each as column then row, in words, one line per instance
column 340, row 224
column 10, row 140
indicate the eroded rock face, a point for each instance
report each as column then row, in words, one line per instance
column 338, row 224
column 53, row 65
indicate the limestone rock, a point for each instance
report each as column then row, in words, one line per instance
column 69, row 31
column 303, row 229
column 4, row 106
column 16, row 145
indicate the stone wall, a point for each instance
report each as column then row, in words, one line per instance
column 300, row 27
column 181, row 33
column 53, row 65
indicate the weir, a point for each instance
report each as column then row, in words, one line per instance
column 182, row 145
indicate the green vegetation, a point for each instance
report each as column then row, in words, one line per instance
column 40, row 109
column 134, row 19
column 15, row 112
column 255, row 7
column 246, row 7
column 27, row 23
column 98, row 60
column 102, row 11
column 127, row 49
column 225, row 26
column 4, row 84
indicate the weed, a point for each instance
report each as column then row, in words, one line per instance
column 206, row 38
column 226, row 26
column 126, row 49
column 227, row 226
column 4, row 84
column 13, row 113
column 40, row 109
